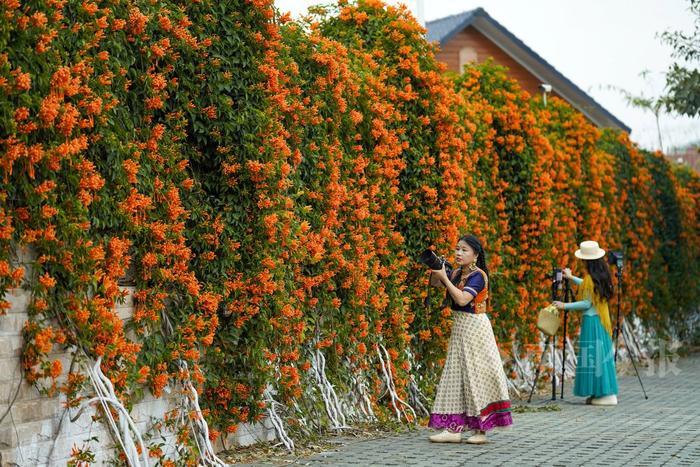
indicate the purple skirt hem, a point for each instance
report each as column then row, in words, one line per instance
column 462, row 422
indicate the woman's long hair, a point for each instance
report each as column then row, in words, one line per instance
column 478, row 248
column 602, row 279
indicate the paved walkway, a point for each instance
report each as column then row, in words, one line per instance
column 663, row 430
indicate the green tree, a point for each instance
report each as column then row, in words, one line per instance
column 683, row 78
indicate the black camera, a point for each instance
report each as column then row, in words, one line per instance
column 557, row 281
column 435, row 262
column 557, row 274
column 615, row 258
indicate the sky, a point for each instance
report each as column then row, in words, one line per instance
column 597, row 44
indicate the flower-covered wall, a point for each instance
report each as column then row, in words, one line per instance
column 266, row 185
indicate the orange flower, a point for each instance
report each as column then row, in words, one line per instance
column 101, row 23
column 159, row 382
column 118, row 24
column 137, row 21
column 165, row 23
column 149, row 260
column 49, row 109
column 23, row 82
column 43, row 340
column 89, row 8
column 56, row 369
column 154, row 103
column 47, row 281
column 21, row 114
column 48, row 211
column 144, row 373
column 11, row 4
column 63, row 84
column 40, row 305
column 39, row 19
column 4, row 268
column 17, row 275
column 132, row 168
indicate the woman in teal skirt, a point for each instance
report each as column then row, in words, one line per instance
column 595, row 367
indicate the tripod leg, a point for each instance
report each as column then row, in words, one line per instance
column 537, row 372
column 568, row 297
column 563, row 358
column 635, row 366
column 619, row 299
column 634, row 339
column 554, row 368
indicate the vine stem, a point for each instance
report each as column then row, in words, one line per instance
column 396, row 401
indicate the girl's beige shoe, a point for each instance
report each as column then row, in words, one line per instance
column 446, row 437
column 477, row 439
column 605, row 400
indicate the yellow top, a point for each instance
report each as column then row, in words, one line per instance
column 591, row 302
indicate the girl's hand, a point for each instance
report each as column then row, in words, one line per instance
column 559, row 305
column 567, row 273
column 441, row 273
column 435, row 280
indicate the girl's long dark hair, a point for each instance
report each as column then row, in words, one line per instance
column 602, row 279
column 478, row 248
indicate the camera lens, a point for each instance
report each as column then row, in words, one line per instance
column 430, row 259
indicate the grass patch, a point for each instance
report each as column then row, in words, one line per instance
column 536, row 408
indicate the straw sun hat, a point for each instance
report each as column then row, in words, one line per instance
column 590, row 250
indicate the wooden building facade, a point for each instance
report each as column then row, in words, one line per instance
column 474, row 36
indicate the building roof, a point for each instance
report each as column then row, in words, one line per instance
column 443, row 29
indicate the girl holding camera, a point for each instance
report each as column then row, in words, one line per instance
column 595, row 367
column 473, row 393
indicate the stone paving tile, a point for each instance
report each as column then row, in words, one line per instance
column 662, row 430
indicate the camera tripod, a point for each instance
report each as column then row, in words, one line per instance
column 618, row 273
column 557, row 282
